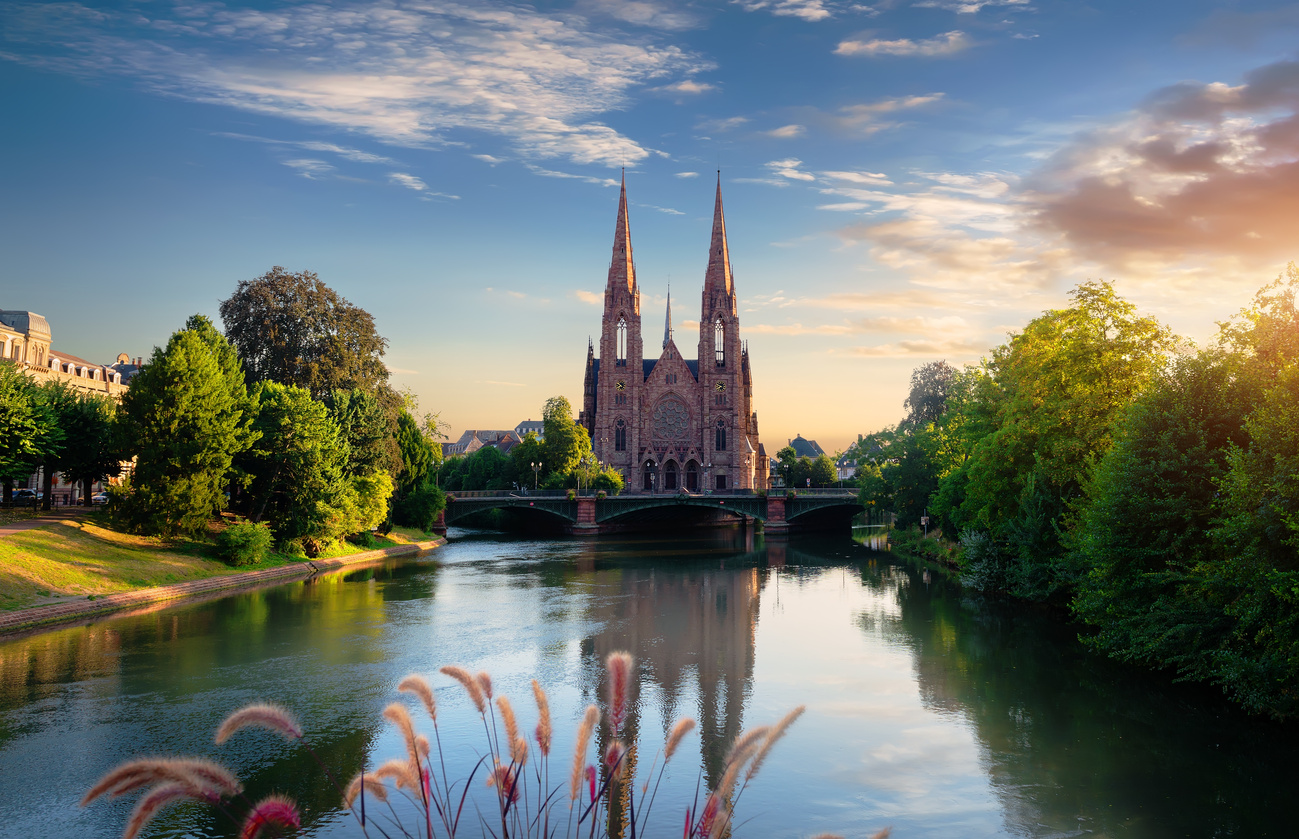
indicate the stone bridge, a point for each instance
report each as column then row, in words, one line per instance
column 587, row 514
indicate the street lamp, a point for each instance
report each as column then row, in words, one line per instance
column 536, row 470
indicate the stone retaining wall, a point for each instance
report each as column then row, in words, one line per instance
column 73, row 610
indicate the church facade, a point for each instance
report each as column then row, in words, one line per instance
column 667, row 422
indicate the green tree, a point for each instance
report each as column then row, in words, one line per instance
column 566, row 442
column 527, row 452
column 59, row 401
column 294, row 329
column 92, row 448
column 822, row 471
column 298, row 464
column 418, row 453
column 185, row 419
column 28, row 430
column 1044, row 415
column 368, row 429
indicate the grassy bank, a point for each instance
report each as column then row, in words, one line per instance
column 933, row 548
column 80, row 558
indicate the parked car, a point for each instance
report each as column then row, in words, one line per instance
column 99, row 498
column 27, row 496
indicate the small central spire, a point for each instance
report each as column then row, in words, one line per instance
column 667, row 321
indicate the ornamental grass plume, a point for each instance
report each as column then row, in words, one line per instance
column 198, row 773
column 373, row 787
column 274, row 812
column 470, row 684
column 420, row 687
column 777, row 731
column 152, row 803
column 262, row 715
column 618, row 666
column 681, row 729
column 543, row 732
column 508, row 720
column 589, row 720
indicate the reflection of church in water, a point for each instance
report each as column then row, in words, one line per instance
column 672, row 423
column 692, row 633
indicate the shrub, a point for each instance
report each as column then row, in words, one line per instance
column 244, row 543
column 572, row 494
column 364, row 539
column 601, row 495
column 291, row 548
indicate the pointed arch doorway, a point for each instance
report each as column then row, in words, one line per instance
column 692, row 476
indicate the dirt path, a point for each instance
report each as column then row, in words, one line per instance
column 46, row 517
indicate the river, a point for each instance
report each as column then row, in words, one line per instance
column 928, row 710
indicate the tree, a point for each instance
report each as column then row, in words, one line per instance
column 822, row 471
column 91, row 450
column 522, row 456
column 1043, row 416
column 566, row 442
column 28, row 431
column 185, row 419
column 930, row 386
column 370, row 433
column 59, row 402
column 295, row 330
column 298, row 467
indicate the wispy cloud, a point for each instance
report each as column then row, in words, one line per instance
column 686, row 87
column 718, row 126
column 667, row 210
column 970, row 7
column 812, row 10
column 687, row 175
column 489, row 159
column 788, row 168
column 309, row 168
column 656, row 14
column 551, row 173
column 787, row 132
column 941, row 46
column 589, row 297
column 405, row 73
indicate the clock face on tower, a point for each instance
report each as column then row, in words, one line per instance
column 620, row 386
column 721, row 387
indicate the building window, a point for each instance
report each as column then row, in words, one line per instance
column 721, row 436
column 721, row 482
column 622, row 342
column 620, row 436
column 719, row 342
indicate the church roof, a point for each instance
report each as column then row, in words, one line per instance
column 647, row 367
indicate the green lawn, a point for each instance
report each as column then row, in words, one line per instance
column 83, row 557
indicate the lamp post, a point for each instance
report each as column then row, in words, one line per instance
column 536, row 470
column 650, row 464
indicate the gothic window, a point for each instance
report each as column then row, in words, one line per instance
column 621, row 350
column 620, row 436
column 721, row 436
column 671, row 419
column 719, row 342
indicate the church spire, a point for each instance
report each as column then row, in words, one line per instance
column 718, row 277
column 667, row 321
column 621, row 270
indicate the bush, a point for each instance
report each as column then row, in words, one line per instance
column 291, row 548
column 364, row 539
column 983, row 565
column 421, row 508
column 244, row 543
column 572, row 494
column 601, row 495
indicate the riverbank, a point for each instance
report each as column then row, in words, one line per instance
column 75, row 568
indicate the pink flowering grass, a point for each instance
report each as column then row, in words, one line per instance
column 413, row 796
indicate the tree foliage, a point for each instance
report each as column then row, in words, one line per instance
column 185, row 419
column 293, row 329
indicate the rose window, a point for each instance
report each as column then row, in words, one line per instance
column 671, row 419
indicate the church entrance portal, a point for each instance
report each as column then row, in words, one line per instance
column 647, row 483
column 692, row 477
column 670, row 476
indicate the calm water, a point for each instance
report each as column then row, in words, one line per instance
column 928, row 710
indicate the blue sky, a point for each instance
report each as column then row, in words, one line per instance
column 904, row 181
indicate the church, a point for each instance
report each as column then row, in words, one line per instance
column 666, row 422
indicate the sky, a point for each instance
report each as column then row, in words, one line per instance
column 905, row 181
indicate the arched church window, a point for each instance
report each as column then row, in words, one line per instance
column 721, row 436
column 719, row 342
column 622, row 342
column 620, row 436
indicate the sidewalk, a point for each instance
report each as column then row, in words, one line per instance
column 46, row 517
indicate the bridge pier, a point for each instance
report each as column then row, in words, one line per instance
column 775, row 527
column 586, row 524
column 440, row 524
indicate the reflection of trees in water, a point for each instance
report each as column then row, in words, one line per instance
column 162, row 682
column 1073, row 742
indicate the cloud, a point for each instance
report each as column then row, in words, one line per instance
column 686, row 175
column 797, row 329
column 488, row 159
column 688, row 87
column 970, row 7
column 868, row 178
column 310, row 169
column 946, row 44
column 656, row 15
column 408, row 181
column 401, row 371
column 722, row 125
column 589, row 297
column 551, row 173
column 786, row 132
column 812, row 10
column 844, row 206
column 1199, row 169
column 410, row 74
column 788, row 168
column 959, row 350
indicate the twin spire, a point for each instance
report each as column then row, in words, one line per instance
column 622, row 271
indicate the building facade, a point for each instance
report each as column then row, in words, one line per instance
column 25, row 340
column 667, row 422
